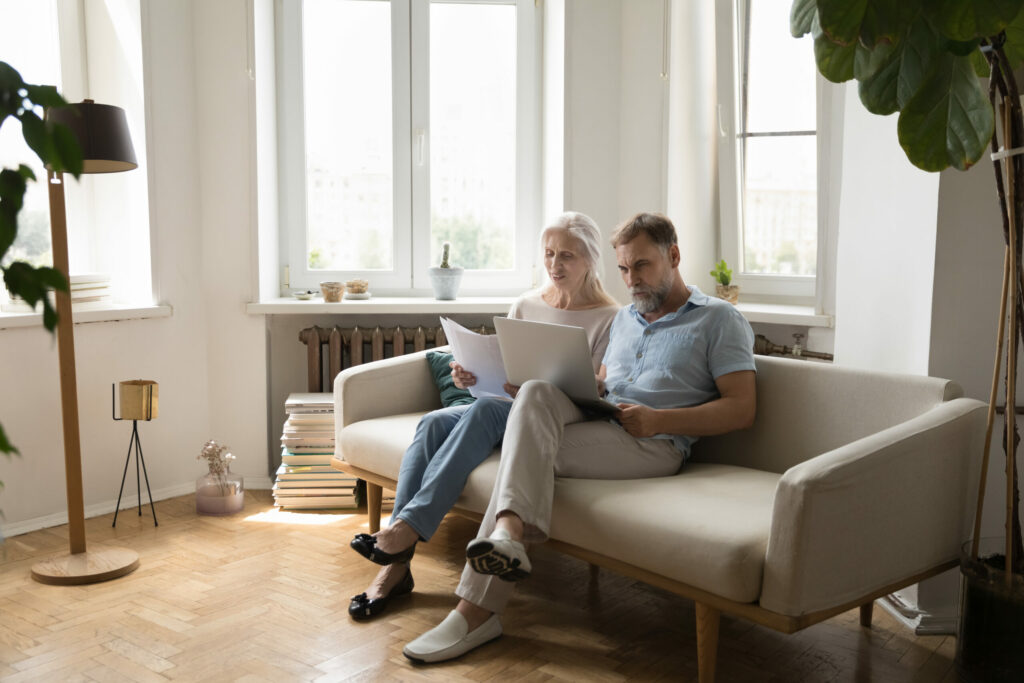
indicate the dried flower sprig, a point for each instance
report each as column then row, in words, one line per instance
column 218, row 457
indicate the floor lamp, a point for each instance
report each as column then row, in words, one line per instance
column 102, row 134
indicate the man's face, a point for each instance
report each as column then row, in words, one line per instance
column 647, row 271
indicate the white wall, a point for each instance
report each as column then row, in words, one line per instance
column 692, row 175
column 886, row 252
column 209, row 356
column 615, row 110
column 226, row 127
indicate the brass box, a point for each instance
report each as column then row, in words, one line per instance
column 139, row 399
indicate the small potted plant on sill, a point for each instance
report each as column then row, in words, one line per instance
column 445, row 278
column 724, row 289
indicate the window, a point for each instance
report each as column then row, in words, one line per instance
column 403, row 125
column 107, row 218
column 771, row 156
column 31, row 46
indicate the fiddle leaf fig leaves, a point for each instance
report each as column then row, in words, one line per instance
column 969, row 19
column 901, row 72
column 800, row 17
column 1014, row 45
column 835, row 62
column 869, row 21
column 921, row 58
column 948, row 121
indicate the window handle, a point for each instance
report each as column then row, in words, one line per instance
column 421, row 146
column 721, row 122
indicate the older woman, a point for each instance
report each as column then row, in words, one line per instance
column 450, row 443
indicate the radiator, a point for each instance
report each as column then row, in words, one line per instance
column 329, row 350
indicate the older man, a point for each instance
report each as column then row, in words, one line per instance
column 679, row 364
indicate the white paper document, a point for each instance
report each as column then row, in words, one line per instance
column 479, row 354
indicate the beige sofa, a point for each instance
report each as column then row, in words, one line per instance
column 851, row 484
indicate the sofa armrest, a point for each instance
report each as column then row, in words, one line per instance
column 874, row 512
column 392, row 386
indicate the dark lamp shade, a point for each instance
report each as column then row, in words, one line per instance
column 102, row 133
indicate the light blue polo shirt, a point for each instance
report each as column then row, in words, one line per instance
column 673, row 362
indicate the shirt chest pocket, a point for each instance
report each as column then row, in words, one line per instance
column 669, row 355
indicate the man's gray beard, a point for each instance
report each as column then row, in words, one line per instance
column 649, row 304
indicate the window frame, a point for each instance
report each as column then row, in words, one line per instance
column 410, row 115
column 793, row 289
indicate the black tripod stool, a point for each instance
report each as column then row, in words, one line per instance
column 145, row 410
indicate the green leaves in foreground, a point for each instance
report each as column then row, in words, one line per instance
column 32, row 285
column 6, row 446
column 921, row 58
column 57, row 149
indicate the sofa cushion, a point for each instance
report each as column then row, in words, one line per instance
column 378, row 446
column 717, row 517
column 706, row 526
column 450, row 394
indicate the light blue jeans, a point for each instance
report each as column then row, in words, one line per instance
column 448, row 445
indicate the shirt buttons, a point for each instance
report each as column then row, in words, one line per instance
column 640, row 355
column 630, row 379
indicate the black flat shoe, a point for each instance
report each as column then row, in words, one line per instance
column 366, row 545
column 363, row 608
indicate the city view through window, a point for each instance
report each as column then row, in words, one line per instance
column 778, row 145
column 469, row 147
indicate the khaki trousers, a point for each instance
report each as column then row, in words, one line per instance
column 548, row 436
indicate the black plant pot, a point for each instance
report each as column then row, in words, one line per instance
column 990, row 633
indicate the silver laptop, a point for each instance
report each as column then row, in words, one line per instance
column 559, row 354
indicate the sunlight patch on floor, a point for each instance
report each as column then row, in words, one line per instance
column 307, row 517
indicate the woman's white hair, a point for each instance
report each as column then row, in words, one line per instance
column 586, row 232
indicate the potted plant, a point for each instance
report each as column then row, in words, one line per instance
column 56, row 147
column 925, row 60
column 220, row 491
column 445, row 278
column 723, row 279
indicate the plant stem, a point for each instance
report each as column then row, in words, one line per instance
column 1003, row 87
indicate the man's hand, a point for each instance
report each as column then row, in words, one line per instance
column 601, row 388
column 462, row 378
column 511, row 389
column 637, row 420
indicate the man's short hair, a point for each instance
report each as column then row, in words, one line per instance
column 658, row 228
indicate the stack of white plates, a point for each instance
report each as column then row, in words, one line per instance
column 90, row 287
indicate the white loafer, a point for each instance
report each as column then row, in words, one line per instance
column 451, row 638
column 499, row 556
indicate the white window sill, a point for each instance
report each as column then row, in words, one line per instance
column 784, row 314
column 90, row 313
column 495, row 305
column 779, row 314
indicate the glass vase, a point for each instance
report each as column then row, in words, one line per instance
column 220, row 494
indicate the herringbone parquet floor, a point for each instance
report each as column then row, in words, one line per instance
column 262, row 596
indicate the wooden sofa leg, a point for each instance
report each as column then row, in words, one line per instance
column 707, row 642
column 865, row 614
column 373, row 498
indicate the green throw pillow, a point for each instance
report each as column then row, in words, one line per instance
column 451, row 395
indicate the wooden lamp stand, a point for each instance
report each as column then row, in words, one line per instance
column 90, row 122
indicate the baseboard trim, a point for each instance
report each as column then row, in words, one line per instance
column 921, row 622
column 127, row 502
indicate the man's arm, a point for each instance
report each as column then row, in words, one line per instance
column 735, row 409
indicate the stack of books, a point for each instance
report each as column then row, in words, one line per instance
column 305, row 478
column 88, row 291
column 90, row 288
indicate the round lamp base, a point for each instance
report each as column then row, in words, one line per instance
column 92, row 566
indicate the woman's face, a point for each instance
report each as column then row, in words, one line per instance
column 563, row 259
